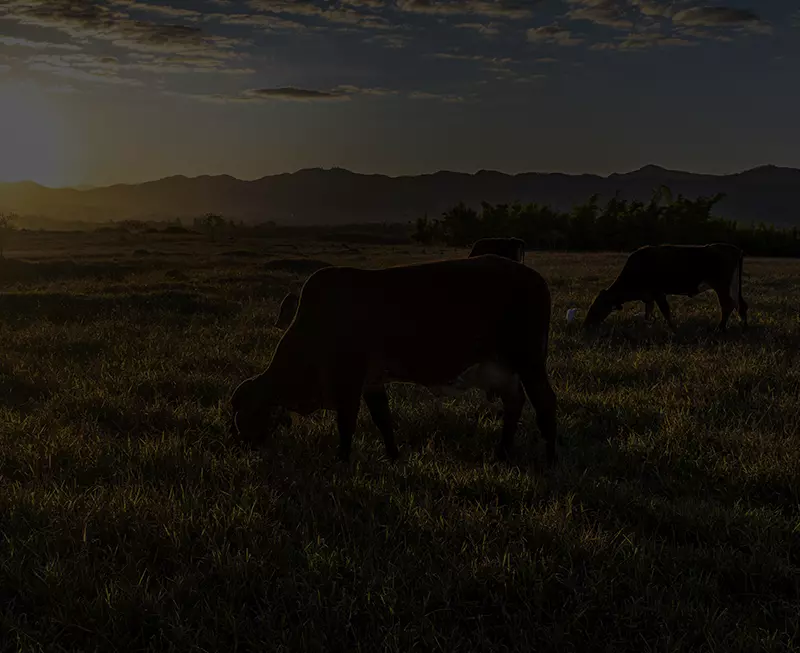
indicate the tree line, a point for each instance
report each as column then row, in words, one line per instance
column 617, row 225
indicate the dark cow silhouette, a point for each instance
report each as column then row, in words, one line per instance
column 655, row 271
column 512, row 248
column 448, row 325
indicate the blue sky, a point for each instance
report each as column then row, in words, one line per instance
column 130, row 90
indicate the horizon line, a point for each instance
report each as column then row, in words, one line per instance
column 651, row 166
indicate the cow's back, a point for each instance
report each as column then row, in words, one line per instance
column 676, row 269
column 426, row 322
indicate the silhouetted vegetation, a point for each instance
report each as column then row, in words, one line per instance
column 619, row 225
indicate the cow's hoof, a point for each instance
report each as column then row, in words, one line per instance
column 343, row 455
column 392, row 454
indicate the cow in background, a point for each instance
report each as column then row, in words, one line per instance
column 655, row 271
column 512, row 248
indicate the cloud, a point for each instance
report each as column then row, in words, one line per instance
column 642, row 41
column 82, row 19
column 261, row 21
column 96, row 75
column 718, row 17
column 554, row 34
column 711, row 16
column 609, row 13
column 485, row 30
column 343, row 92
column 654, row 8
column 164, row 10
column 344, row 15
column 105, row 69
column 496, row 8
column 11, row 41
column 474, row 57
column 441, row 97
column 391, row 41
column 292, row 93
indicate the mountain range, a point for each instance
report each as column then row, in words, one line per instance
column 336, row 196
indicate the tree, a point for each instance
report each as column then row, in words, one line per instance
column 7, row 226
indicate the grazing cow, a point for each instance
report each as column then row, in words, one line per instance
column 462, row 323
column 653, row 272
column 512, row 248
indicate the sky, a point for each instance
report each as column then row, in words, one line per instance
column 124, row 91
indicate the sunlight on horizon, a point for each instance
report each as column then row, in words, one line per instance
column 34, row 136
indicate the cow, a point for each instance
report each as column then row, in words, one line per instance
column 512, row 248
column 654, row 271
column 474, row 322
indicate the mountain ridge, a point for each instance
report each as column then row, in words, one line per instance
column 320, row 196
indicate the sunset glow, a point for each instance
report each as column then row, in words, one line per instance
column 34, row 137
column 130, row 90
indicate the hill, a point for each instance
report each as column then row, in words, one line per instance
column 336, row 196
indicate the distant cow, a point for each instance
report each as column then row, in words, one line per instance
column 512, row 248
column 653, row 272
column 475, row 322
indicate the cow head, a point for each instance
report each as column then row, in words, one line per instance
column 287, row 310
column 252, row 416
column 601, row 308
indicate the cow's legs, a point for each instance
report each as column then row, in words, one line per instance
column 346, row 420
column 743, row 310
column 513, row 403
column 649, row 306
column 378, row 404
column 540, row 392
column 727, row 305
column 663, row 306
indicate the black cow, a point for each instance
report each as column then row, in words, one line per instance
column 655, row 271
column 480, row 321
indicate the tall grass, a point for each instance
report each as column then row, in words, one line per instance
column 131, row 520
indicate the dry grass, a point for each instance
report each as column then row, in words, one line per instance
column 131, row 521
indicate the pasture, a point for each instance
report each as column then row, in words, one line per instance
column 130, row 520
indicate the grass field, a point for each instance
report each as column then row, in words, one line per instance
column 131, row 521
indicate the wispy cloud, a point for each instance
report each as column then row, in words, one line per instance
column 440, row 97
column 259, row 21
column 363, row 17
column 295, row 94
column 554, row 34
column 11, row 41
column 609, row 13
column 498, row 9
column 343, row 92
column 485, row 30
column 643, row 40
column 720, row 17
column 391, row 41
column 82, row 19
column 159, row 9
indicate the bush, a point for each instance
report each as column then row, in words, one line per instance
column 620, row 225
